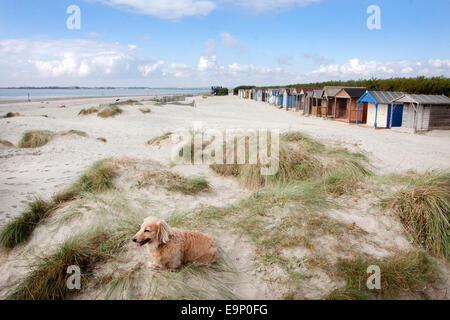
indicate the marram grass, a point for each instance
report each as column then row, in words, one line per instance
column 96, row 179
column 423, row 207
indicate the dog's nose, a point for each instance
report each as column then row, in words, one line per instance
column 134, row 240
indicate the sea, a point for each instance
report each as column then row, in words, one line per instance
column 36, row 93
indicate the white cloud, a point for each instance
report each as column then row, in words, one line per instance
column 268, row 5
column 92, row 63
column 228, row 40
column 206, row 63
column 355, row 68
column 209, row 47
column 146, row 69
column 165, row 9
column 72, row 58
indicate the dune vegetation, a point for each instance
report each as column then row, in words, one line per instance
column 109, row 112
column 403, row 273
column 98, row 178
column 39, row 138
column 173, row 182
column 145, row 110
column 11, row 115
column 285, row 220
column 157, row 140
column 303, row 159
column 87, row 111
column 47, row 281
column 6, row 143
column 35, row 139
column 423, row 206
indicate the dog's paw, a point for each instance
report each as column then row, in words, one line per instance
column 155, row 266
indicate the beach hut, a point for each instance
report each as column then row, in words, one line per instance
column 290, row 104
column 308, row 103
column 316, row 103
column 301, row 97
column 381, row 112
column 346, row 106
column 274, row 97
column 285, row 98
column 280, row 98
column 424, row 112
column 328, row 99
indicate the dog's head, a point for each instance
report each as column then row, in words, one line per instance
column 153, row 232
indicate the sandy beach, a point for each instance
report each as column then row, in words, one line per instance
column 29, row 172
column 44, row 171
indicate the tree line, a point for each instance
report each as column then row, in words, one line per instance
column 418, row 85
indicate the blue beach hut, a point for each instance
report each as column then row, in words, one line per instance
column 381, row 111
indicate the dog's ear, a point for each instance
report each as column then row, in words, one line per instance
column 164, row 232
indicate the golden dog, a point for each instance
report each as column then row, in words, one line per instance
column 172, row 247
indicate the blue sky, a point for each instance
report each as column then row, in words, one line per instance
column 190, row 43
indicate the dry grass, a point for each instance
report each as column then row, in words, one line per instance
column 96, row 179
column 102, row 139
column 47, row 280
column 157, row 140
column 145, row 110
column 301, row 158
column 6, row 143
column 88, row 111
column 174, row 182
column 74, row 132
column 188, row 283
column 423, row 206
column 129, row 102
column 110, row 112
column 39, row 138
column 35, row 139
column 19, row 229
column 11, row 115
column 410, row 273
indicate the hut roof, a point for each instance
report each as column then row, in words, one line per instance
column 385, row 97
column 306, row 89
column 317, row 93
column 423, row 99
column 354, row 92
column 330, row 91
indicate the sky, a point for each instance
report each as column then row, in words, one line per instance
column 200, row 43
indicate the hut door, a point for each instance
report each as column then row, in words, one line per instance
column 397, row 116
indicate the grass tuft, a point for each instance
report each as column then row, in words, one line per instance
column 75, row 132
column 47, row 280
column 423, row 207
column 85, row 112
column 20, row 228
column 129, row 102
column 6, row 143
column 157, row 140
column 11, row 115
column 174, row 182
column 302, row 158
column 35, row 139
column 109, row 112
column 96, row 179
column 145, row 110
column 406, row 272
